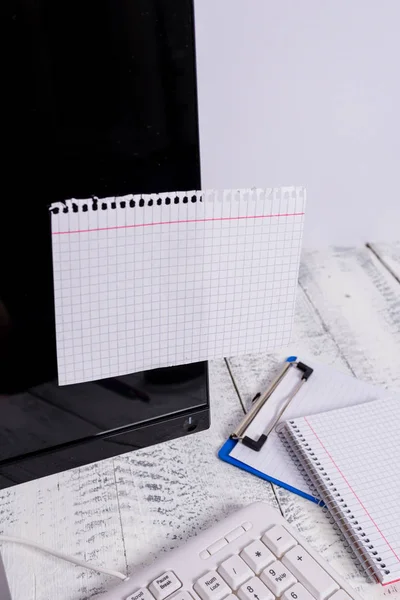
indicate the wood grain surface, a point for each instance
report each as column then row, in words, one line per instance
column 122, row 513
column 389, row 255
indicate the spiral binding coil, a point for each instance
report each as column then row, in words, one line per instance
column 95, row 203
column 357, row 545
column 283, row 435
column 318, row 494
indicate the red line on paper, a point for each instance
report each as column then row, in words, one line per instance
column 391, row 582
column 185, row 221
column 352, row 490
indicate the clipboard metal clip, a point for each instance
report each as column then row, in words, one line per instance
column 260, row 399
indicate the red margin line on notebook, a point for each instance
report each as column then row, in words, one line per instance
column 356, row 496
column 185, row 221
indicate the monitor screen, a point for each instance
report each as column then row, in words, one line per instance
column 101, row 101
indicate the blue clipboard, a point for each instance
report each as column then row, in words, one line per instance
column 224, row 454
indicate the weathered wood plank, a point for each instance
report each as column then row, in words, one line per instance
column 75, row 512
column 389, row 255
column 359, row 303
column 348, row 315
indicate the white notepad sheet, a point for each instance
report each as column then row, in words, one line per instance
column 143, row 282
column 359, row 450
column 326, row 389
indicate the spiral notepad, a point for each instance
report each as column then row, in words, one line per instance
column 351, row 456
column 327, row 389
column 156, row 280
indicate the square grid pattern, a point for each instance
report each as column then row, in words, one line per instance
column 151, row 281
column 359, row 450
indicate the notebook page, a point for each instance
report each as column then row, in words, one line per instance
column 326, row 389
column 359, row 450
column 151, row 281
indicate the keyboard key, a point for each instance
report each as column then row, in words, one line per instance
column 182, row 595
column 278, row 540
column 234, row 534
column 277, row 578
column 216, row 546
column 204, row 554
column 340, row 595
column 297, row 592
column 314, row 578
column 247, row 525
column 254, row 590
column 211, row 587
column 235, row 571
column 257, row 556
column 141, row 594
column 164, row 585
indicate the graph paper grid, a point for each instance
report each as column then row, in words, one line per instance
column 358, row 454
column 151, row 281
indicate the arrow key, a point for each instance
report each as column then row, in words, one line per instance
column 254, row 589
column 277, row 577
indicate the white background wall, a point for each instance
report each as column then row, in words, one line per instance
column 305, row 92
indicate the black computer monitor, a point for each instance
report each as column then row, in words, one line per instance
column 101, row 101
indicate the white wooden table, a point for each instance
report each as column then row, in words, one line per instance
column 123, row 512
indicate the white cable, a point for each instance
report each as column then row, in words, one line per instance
column 75, row 561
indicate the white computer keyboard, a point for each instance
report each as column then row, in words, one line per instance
column 252, row 555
